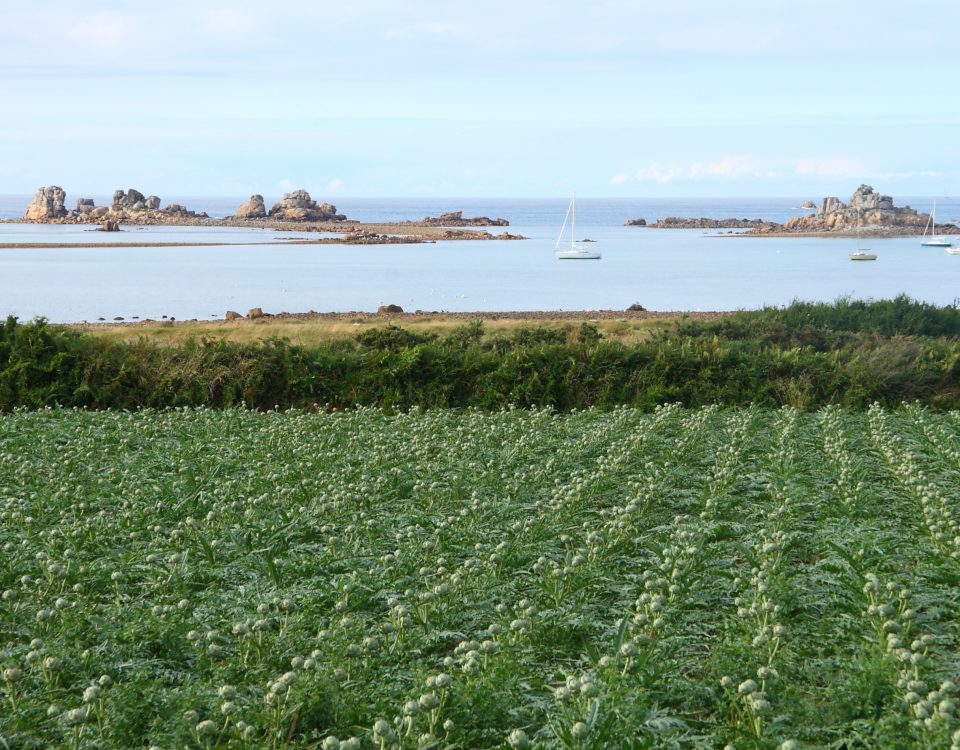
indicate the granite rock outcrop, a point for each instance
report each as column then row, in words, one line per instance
column 131, row 199
column 299, row 206
column 866, row 205
column 830, row 205
column 457, row 219
column 132, row 205
column 47, row 204
column 865, row 198
column 702, row 222
column 876, row 214
column 252, row 209
column 297, row 211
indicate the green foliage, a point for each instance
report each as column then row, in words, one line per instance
column 820, row 322
column 37, row 363
column 849, row 353
column 539, row 335
column 392, row 337
column 588, row 333
column 602, row 579
column 465, row 335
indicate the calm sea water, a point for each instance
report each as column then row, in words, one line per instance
column 661, row 269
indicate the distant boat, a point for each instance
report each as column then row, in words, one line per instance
column 953, row 250
column 933, row 241
column 575, row 251
column 861, row 253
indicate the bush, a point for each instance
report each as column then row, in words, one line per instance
column 804, row 355
column 392, row 337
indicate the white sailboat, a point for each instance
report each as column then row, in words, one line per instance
column 861, row 253
column 933, row 241
column 575, row 251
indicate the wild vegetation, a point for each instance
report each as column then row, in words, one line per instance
column 674, row 578
column 848, row 353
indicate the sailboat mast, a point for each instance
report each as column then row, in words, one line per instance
column 564, row 226
column 573, row 225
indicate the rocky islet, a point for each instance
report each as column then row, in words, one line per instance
column 873, row 212
column 457, row 219
column 675, row 222
column 132, row 206
column 299, row 206
column 867, row 207
column 49, row 206
column 876, row 214
column 254, row 208
column 296, row 211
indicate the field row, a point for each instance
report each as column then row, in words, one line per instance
column 433, row 579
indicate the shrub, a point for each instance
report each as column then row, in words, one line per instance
column 770, row 358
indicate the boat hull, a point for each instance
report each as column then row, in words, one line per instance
column 862, row 256
column 936, row 243
column 578, row 255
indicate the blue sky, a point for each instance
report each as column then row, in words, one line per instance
column 617, row 98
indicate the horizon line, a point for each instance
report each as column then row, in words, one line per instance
column 558, row 196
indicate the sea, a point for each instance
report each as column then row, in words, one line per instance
column 667, row 270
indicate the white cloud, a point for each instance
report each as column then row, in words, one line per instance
column 101, row 31
column 903, row 175
column 845, row 167
column 830, row 166
column 31, row 26
column 725, row 39
column 658, row 173
column 737, row 167
column 230, row 22
column 427, row 29
column 730, row 167
column 335, row 185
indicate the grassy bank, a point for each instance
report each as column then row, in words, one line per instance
column 847, row 353
column 313, row 329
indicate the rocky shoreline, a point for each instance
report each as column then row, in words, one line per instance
column 352, row 238
column 874, row 214
column 674, row 222
column 257, row 316
column 296, row 212
column 368, row 234
column 878, row 233
column 457, row 219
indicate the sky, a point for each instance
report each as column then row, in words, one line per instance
column 512, row 98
